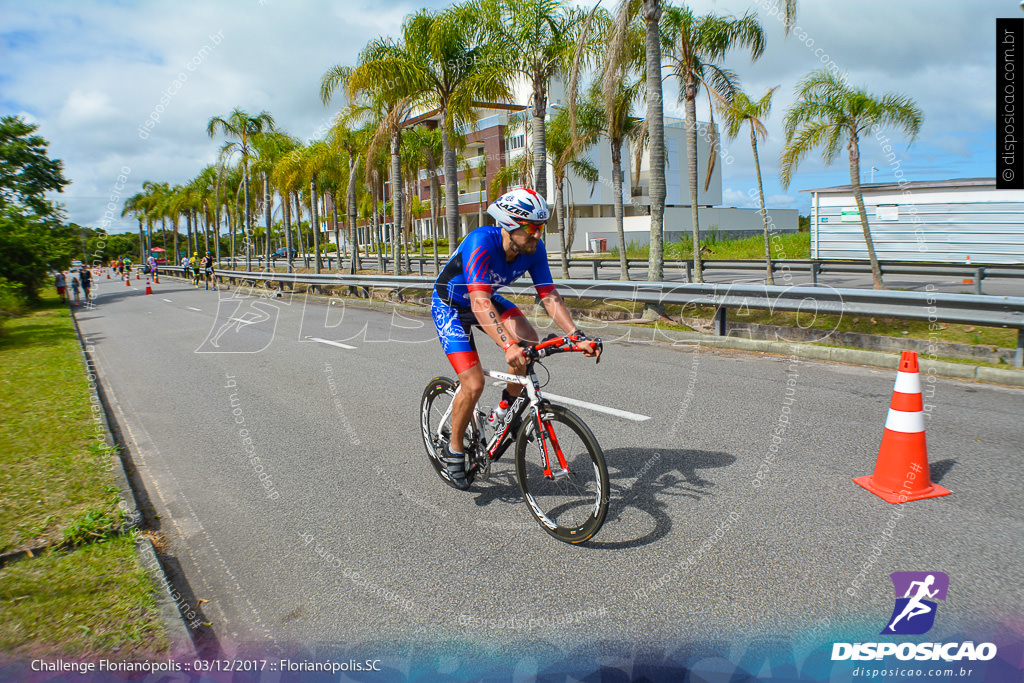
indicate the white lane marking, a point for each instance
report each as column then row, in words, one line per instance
column 193, row 308
column 244, row 321
column 625, row 414
column 332, row 343
column 168, row 301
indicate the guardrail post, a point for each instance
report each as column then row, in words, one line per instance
column 815, row 267
column 689, row 271
column 978, row 275
column 596, row 264
column 720, row 322
column 1018, row 358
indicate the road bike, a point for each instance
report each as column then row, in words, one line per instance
column 559, row 463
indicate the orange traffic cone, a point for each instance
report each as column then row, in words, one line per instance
column 968, row 280
column 901, row 471
column 127, row 282
column 149, row 290
column 136, row 275
column 108, row 273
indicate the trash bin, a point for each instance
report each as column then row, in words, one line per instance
column 603, row 244
column 594, row 245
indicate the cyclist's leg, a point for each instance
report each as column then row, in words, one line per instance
column 454, row 330
column 514, row 319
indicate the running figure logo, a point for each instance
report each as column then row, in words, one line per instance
column 913, row 613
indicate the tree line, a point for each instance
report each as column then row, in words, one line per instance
column 450, row 61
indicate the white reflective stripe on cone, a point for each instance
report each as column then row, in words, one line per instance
column 902, row 421
column 908, row 383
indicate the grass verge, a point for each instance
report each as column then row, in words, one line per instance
column 59, row 491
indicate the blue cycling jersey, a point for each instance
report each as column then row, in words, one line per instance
column 479, row 264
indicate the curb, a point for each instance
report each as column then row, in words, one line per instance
column 178, row 634
column 878, row 359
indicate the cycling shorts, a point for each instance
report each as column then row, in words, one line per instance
column 454, row 325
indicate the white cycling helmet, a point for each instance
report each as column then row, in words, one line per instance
column 517, row 206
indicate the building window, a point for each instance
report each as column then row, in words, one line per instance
column 517, row 141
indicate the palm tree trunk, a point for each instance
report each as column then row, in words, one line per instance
column 396, row 198
column 298, row 227
column 435, row 206
column 376, row 224
column 314, row 199
column 286, row 217
column 769, row 274
column 353, row 231
column 188, row 233
column 540, row 141
column 617, row 199
column 268, row 205
column 876, row 271
column 248, row 213
column 337, row 228
column 691, row 162
column 560, row 222
column 177, row 256
column 451, row 186
column 656, row 128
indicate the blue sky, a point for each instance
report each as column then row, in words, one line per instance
column 90, row 73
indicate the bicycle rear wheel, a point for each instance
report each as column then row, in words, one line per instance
column 436, row 424
column 571, row 502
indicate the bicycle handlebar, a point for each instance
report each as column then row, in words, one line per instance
column 564, row 344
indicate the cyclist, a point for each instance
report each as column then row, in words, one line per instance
column 208, row 272
column 195, row 265
column 489, row 258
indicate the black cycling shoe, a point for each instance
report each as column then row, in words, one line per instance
column 455, row 468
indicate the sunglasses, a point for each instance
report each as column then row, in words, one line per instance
column 531, row 228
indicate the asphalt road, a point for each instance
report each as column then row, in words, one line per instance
column 352, row 544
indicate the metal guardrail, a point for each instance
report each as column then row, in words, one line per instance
column 967, row 309
column 815, row 267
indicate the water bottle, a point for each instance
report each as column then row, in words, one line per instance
column 497, row 414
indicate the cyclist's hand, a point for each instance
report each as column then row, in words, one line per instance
column 590, row 349
column 515, row 358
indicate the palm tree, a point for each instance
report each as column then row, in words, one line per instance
column 271, row 147
column 566, row 152
column 743, row 109
column 538, row 37
column 826, row 114
column 619, row 124
column 441, row 63
column 389, row 107
column 240, row 126
column 651, row 12
column 698, row 44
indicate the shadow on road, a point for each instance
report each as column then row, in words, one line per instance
column 654, row 478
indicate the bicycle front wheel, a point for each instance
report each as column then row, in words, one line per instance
column 562, row 474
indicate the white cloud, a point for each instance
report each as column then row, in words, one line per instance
column 91, row 73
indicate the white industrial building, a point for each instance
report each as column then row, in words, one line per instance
column 964, row 220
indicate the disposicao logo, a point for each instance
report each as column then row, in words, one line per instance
column 914, row 614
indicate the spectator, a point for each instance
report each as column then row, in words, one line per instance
column 86, row 277
column 61, row 283
column 74, row 289
column 153, row 269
